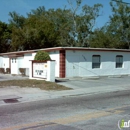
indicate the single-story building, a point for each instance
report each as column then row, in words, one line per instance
column 73, row 61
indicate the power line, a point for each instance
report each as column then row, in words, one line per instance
column 121, row 2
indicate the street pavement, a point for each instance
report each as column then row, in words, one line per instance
column 81, row 87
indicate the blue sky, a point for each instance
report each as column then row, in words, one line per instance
column 24, row 6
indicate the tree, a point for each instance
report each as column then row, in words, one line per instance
column 102, row 38
column 37, row 12
column 42, row 56
column 120, row 23
column 60, row 27
column 16, row 19
column 82, row 24
column 37, row 32
column 74, row 28
column 5, row 37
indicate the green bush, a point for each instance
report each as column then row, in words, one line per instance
column 42, row 56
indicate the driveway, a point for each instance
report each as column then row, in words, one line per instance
column 80, row 83
column 80, row 87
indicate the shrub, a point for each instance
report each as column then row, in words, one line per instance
column 8, row 70
column 2, row 70
column 22, row 71
column 42, row 56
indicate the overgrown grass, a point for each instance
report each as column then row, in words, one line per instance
column 44, row 85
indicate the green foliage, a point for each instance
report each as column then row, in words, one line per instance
column 16, row 19
column 33, row 36
column 52, row 28
column 102, row 38
column 66, row 27
column 42, row 56
column 5, row 37
column 119, row 23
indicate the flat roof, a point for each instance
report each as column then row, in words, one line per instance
column 66, row 48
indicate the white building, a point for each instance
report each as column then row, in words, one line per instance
column 73, row 61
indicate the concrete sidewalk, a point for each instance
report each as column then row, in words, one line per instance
column 34, row 94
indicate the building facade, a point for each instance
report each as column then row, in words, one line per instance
column 73, row 61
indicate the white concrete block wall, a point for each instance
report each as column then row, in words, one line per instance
column 27, row 58
column 1, row 62
column 20, row 63
column 79, row 63
column 51, row 71
column 5, row 62
column 56, row 56
column 26, row 62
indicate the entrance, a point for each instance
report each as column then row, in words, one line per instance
column 14, row 66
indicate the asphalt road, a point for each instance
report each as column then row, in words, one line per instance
column 95, row 112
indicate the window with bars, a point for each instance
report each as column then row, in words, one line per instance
column 119, row 61
column 96, row 61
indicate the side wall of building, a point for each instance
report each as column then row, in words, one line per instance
column 24, row 62
column 1, row 62
column 5, row 62
column 79, row 63
column 55, row 56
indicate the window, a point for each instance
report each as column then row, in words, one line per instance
column 96, row 61
column 14, row 60
column 119, row 61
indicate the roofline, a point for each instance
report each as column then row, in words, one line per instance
column 66, row 48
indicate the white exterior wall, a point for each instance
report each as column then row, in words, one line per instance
column 5, row 62
column 79, row 63
column 1, row 62
column 23, row 62
column 56, row 56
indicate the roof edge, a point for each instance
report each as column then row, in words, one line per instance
column 66, row 48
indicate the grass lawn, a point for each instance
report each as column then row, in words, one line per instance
column 44, row 85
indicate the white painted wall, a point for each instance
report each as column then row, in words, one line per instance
column 24, row 62
column 56, row 56
column 20, row 63
column 5, row 62
column 51, row 71
column 79, row 63
column 1, row 62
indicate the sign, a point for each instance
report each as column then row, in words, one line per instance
column 40, row 70
column 123, row 124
